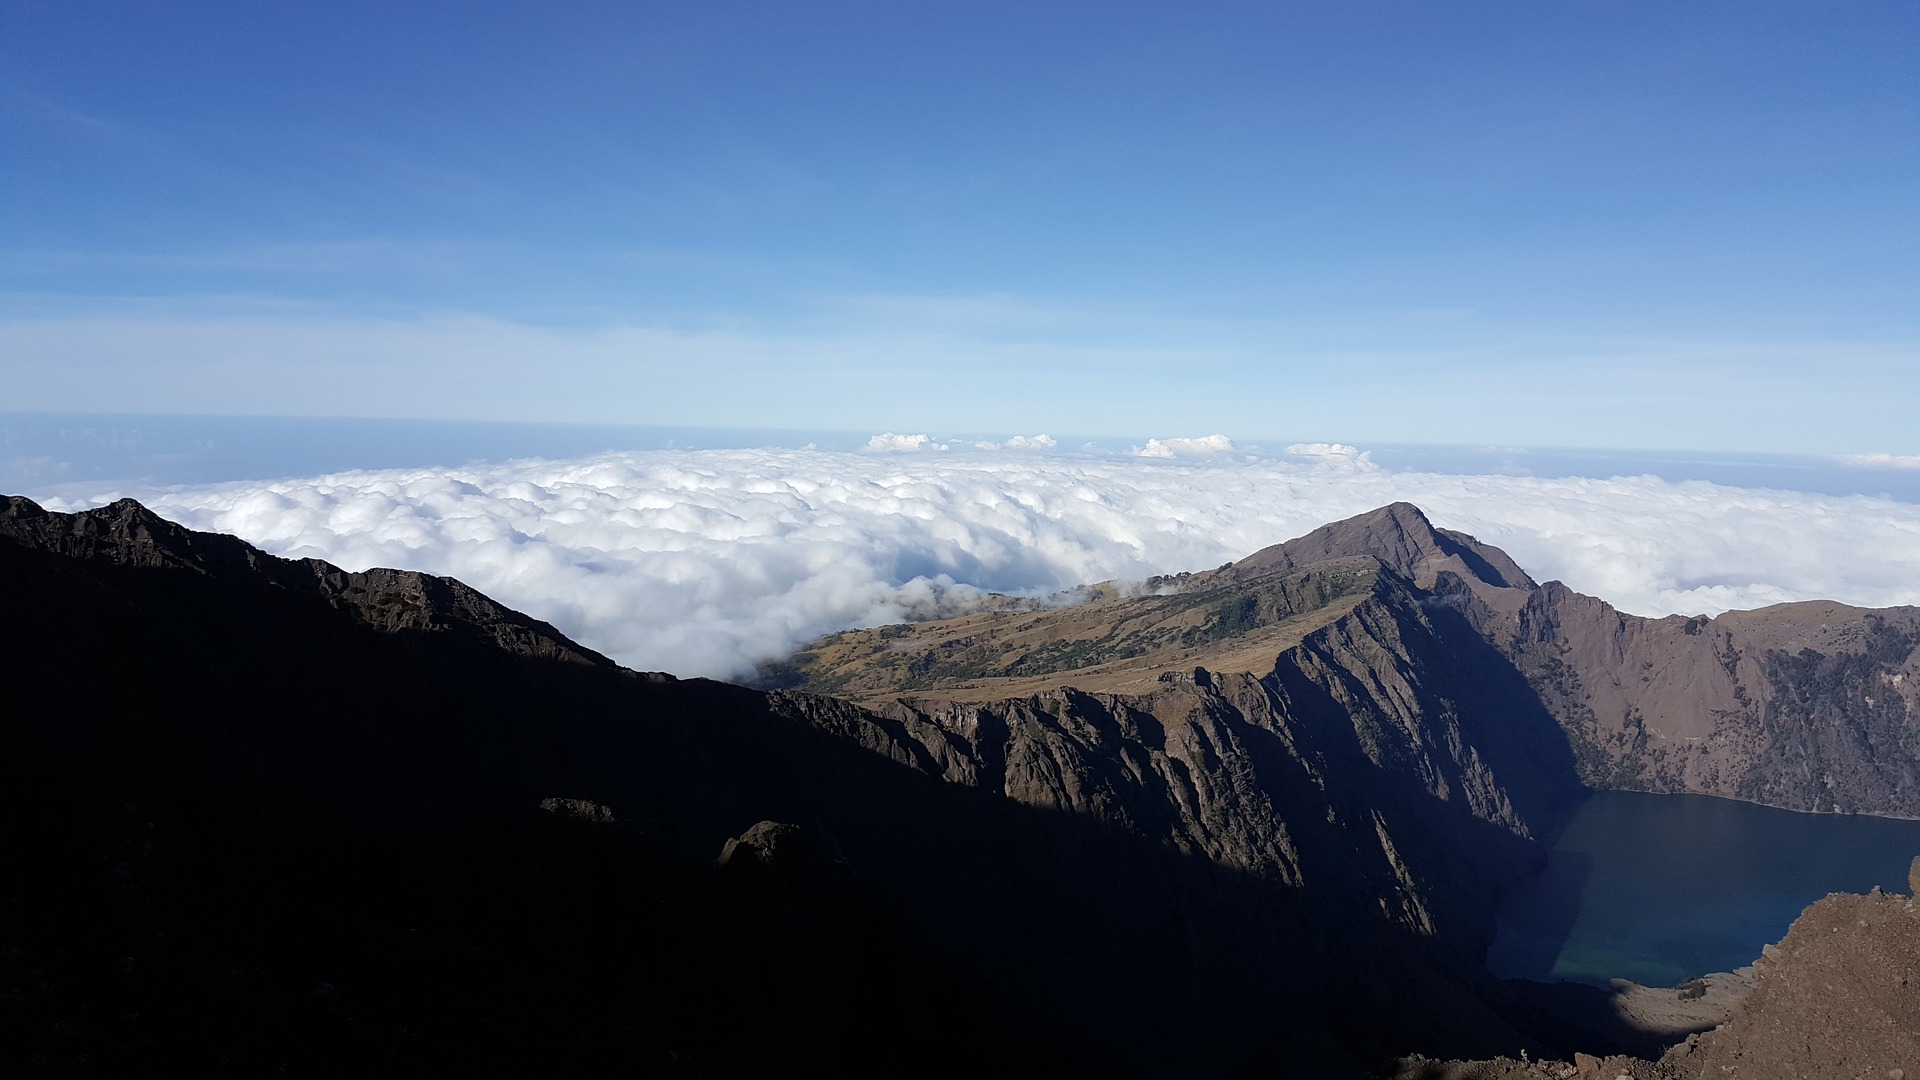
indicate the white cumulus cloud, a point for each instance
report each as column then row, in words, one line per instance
column 889, row 443
column 1171, row 448
column 1018, row 442
column 1030, row 442
column 711, row 562
column 1335, row 455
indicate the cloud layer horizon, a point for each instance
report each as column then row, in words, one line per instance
column 711, row 563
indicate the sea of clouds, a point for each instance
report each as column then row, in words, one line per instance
column 711, row 562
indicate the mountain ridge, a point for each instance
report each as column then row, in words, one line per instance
column 128, row 533
column 1298, row 863
column 1402, row 538
column 1804, row 706
column 217, row 761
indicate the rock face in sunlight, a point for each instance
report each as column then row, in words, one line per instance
column 268, row 811
column 1834, row 998
column 1805, row 706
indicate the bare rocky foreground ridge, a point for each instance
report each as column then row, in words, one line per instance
column 1839, row 997
column 269, row 814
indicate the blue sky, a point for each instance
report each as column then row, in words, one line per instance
column 1596, row 224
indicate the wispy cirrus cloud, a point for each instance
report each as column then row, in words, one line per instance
column 1879, row 461
column 953, row 365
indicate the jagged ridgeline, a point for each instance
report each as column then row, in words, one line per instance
column 267, row 813
column 261, row 812
column 1806, row 706
column 1237, row 618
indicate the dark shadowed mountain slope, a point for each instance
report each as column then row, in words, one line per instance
column 266, row 813
column 129, row 535
column 263, row 814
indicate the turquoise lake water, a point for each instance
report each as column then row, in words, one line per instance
column 1663, row 888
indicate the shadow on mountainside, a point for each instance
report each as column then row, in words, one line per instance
column 1549, row 906
column 1506, row 761
column 247, row 832
column 267, row 814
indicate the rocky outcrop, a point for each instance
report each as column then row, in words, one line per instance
column 579, row 809
column 129, row 535
column 1401, row 537
column 1839, row 996
column 1835, row 998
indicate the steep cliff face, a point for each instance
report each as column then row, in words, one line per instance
column 1806, row 706
column 1389, row 758
column 251, row 814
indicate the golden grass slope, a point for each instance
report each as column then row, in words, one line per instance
column 1119, row 642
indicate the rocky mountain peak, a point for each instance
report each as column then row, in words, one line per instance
column 1402, row 538
column 123, row 531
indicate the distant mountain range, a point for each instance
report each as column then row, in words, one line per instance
column 269, row 814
